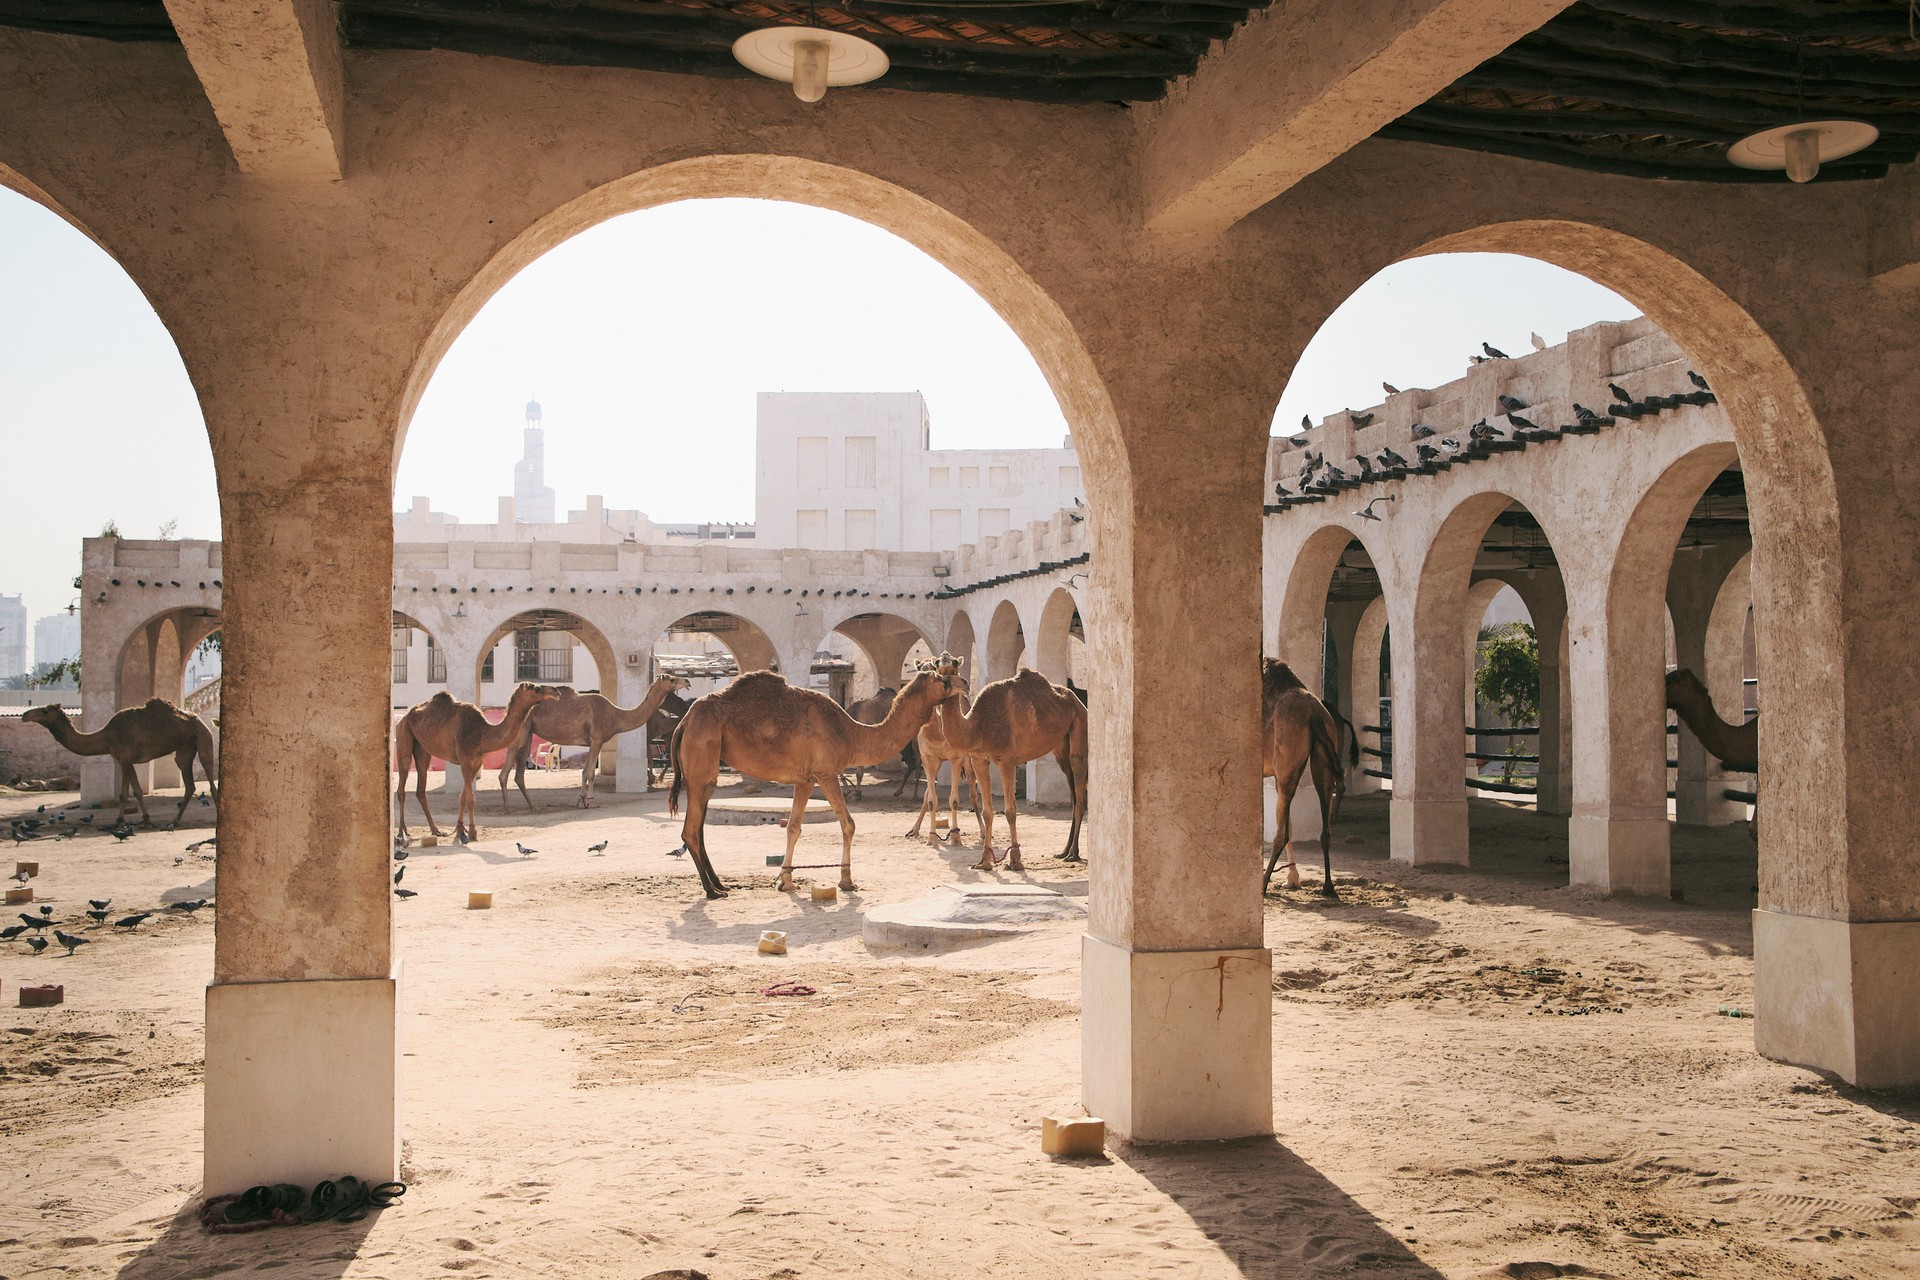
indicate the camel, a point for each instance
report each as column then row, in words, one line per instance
column 934, row 750
column 1296, row 731
column 763, row 726
column 580, row 720
column 660, row 729
column 458, row 732
column 1735, row 746
column 1014, row 720
column 134, row 736
column 871, row 710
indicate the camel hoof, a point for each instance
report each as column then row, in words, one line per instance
column 985, row 863
column 848, row 886
column 1070, row 857
column 1293, row 877
column 785, row 884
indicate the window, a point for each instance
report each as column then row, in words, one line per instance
column 486, row 668
column 556, row 666
column 810, row 462
column 939, row 477
column 969, row 477
column 436, row 662
column 860, row 531
column 860, row 462
column 999, row 477
column 1069, row 477
column 810, row 530
column 993, row 521
column 526, row 655
column 402, row 638
column 943, row 530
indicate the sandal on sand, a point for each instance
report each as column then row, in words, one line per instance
column 387, row 1194
column 259, row 1204
column 323, row 1204
column 355, row 1199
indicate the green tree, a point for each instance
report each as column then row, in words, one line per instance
column 1508, row 678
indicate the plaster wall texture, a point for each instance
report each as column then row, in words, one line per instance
column 311, row 314
column 29, row 751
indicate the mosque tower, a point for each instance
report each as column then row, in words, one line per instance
column 532, row 499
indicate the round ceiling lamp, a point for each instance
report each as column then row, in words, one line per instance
column 810, row 58
column 1800, row 148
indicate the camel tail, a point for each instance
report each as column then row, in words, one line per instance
column 673, row 761
column 1322, row 743
column 1353, row 738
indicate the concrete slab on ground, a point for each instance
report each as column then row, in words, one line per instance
column 955, row 913
column 749, row 811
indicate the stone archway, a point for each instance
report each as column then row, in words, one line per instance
column 1006, row 647
column 961, row 644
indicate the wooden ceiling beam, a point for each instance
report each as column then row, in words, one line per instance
column 1126, row 19
column 1571, row 155
column 271, row 69
column 1690, row 46
column 1794, row 19
column 1299, row 85
column 1548, row 53
column 123, row 20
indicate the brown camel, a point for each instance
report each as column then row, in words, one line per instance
column 660, row 729
column 1296, row 731
column 934, row 750
column 1735, row 746
column 134, row 736
column 763, row 726
column 460, row 733
column 580, row 720
column 1015, row 720
column 871, row 710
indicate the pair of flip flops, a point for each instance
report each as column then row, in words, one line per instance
column 345, row 1199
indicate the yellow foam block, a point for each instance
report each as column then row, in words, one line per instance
column 479, row 901
column 429, row 842
column 825, row 893
column 22, row 894
column 30, row 868
column 1073, row 1136
column 773, row 943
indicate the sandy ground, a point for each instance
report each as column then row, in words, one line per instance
column 1478, row 1073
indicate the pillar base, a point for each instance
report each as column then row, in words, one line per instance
column 99, row 780
column 302, row 1082
column 1426, row 832
column 1177, row 1046
column 1620, row 855
column 1838, row 996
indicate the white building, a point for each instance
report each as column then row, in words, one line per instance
column 13, row 637
column 56, row 638
column 532, row 499
column 857, row 471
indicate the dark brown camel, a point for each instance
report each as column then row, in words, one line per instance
column 763, row 726
column 460, row 733
column 587, row 720
column 134, row 736
column 1297, row 731
column 1014, row 720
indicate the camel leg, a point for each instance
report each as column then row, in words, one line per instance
column 693, row 834
column 469, row 803
column 183, row 761
column 929, row 802
column 1072, row 759
column 588, row 770
column 1326, row 781
column 830, row 787
column 404, row 758
column 983, row 779
column 422, row 758
column 139, row 795
column 802, row 792
column 1009, row 771
column 1283, row 835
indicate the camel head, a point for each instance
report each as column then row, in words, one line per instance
column 1684, row 686
column 49, row 715
column 674, row 683
column 932, row 684
column 528, row 692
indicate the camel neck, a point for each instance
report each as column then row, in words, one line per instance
column 626, row 718
column 508, row 730
column 878, row 743
column 80, row 744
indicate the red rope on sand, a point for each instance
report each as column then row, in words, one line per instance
column 787, row 989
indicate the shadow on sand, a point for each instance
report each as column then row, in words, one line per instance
column 318, row 1251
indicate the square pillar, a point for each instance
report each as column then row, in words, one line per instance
column 1619, row 854
column 1177, row 1046
column 302, row 1082
column 1837, row 995
column 1429, row 832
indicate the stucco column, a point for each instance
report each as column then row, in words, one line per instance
column 1429, row 678
column 463, row 683
column 1363, row 696
column 630, row 748
column 1693, row 589
column 1554, row 788
column 169, row 672
column 103, row 636
column 1176, row 982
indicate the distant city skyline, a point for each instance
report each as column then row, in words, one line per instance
column 646, row 340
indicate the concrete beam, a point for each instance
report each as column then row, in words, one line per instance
column 1300, row 84
column 1896, row 238
column 271, row 69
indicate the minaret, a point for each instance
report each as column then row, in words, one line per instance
column 532, row 500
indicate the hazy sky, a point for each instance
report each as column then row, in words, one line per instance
column 645, row 340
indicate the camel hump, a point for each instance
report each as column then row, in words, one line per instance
column 754, row 684
column 1277, row 677
column 158, row 704
column 441, row 699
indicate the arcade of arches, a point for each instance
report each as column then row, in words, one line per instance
column 313, row 283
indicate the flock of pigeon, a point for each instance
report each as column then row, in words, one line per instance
column 61, row 827
column 400, row 856
column 1319, row 479
column 98, row 911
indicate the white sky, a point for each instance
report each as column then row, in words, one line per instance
column 645, row 340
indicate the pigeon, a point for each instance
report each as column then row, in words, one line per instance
column 195, row 905
column 1388, row 458
column 38, row 944
column 1483, row 430
column 99, row 904
column 23, row 876
column 1472, row 360
column 70, row 942
column 599, row 848
column 524, row 851
column 1450, row 443
column 1421, row 431
column 1539, row 343
column 1509, row 403
column 397, row 874
column 1298, row 442
column 35, row 922
column 1583, row 413
column 1280, row 491
column 1493, row 352
column 121, row 832
column 97, row 916
column 12, row 931
column 1306, row 422
column 1334, row 476
column 41, row 809
column 46, row 911
column 1698, row 381
column 1366, row 467
column 131, row 922
column 1390, row 389
column 87, row 821
column 200, row 844
column 1620, row 393
column 1426, row 453
column 1359, row 419
column 1521, row 422
column 405, row 893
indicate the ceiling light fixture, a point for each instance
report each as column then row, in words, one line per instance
column 1801, row 148
column 810, row 58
